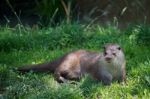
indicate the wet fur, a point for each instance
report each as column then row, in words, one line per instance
column 106, row 66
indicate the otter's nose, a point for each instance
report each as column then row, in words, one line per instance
column 108, row 59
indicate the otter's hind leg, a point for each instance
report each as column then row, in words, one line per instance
column 64, row 76
column 69, row 69
column 59, row 76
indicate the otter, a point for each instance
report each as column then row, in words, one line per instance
column 106, row 67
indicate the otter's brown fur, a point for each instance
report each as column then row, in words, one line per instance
column 106, row 66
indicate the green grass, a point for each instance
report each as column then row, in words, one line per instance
column 20, row 46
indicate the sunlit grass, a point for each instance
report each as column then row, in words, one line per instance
column 19, row 47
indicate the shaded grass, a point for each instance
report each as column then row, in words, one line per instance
column 19, row 47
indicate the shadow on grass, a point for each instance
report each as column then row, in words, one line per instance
column 89, row 85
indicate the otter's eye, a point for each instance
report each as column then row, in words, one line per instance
column 114, row 54
column 105, row 53
column 119, row 48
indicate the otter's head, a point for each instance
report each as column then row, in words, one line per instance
column 112, row 52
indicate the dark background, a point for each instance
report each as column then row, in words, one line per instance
column 101, row 11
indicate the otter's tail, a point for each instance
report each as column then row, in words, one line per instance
column 47, row 67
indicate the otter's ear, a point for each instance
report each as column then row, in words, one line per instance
column 104, row 47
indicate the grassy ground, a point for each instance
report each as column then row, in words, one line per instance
column 22, row 45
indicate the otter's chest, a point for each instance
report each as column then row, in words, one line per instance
column 113, row 69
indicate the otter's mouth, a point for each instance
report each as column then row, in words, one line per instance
column 108, row 61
